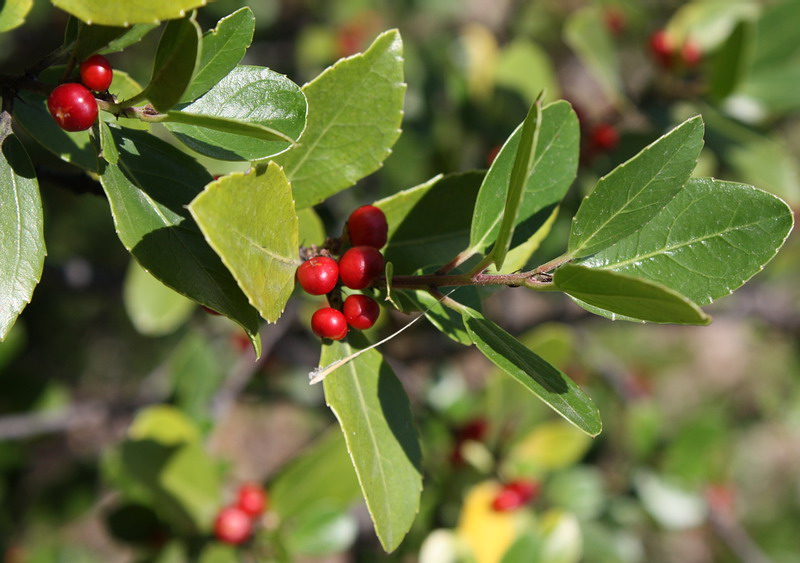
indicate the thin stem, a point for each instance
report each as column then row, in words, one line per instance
column 552, row 264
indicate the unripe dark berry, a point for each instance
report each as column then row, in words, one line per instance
column 232, row 525
column 251, row 499
column 360, row 266
column 318, row 275
column 329, row 323
column 96, row 73
column 72, row 106
column 367, row 226
column 361, row 311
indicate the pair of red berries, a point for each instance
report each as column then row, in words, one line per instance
column 666, row 54
column 234, row 523
column 515, row 495
column 72, row 105
column 357, row 268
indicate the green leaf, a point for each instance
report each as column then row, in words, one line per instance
column 225, row 125
column 108, row 150
column 222, row 49
column 154, row 309
column 524, row 159
column 13, row 13
column 126, row 13
column 258, row 243
column 264, row 103
column 176, row 59
column 312, row 230
column 355, row 110
column 523, row 66
column 322, row 475
column 91, row 38
column 552, row 386
column 635, row 191
column 429, row 223
column 627, row 295
column 730, row 62
column 132, row 35
column 554, row 169
column 706, row 242
column 448, row 321
column 195, row 373
column 22, row 248
column 585, row 33
column 375, row 415
column 148, row 192
column 164, row 424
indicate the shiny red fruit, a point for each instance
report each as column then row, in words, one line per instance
column 360, row 266
column 72, row 106
column 367, row 226
column 318, row 275
column 252, row 499
column 96, row 73
column 329, row 323
column 232, row 525
column 361, row 311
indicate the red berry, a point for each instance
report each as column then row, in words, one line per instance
column 360, row 266
column 661, row 48
column 691, row 54
column 361, row 311
column 318, row 275
column 514, row 495
column 604, row 137
column 232, row 525
column 475, row 430
column 72, row 106
column 329, row 323
column 367, row 226
column 210, row 311
column 251, row 499
column 96, row 73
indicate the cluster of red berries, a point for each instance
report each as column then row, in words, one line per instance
column 667, row 55
column 234, row 523
column 357, row 268
column 72, row 105
column 514, row 495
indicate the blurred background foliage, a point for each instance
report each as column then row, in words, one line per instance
column 128, row 416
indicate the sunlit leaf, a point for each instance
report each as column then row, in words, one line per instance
column 176, row 59
column 355, row 109
column 127, row 13
column 154, row 309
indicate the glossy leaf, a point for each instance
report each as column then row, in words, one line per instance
column 108, row 148
column 524, row 160
column 258, row 243
column 148, row 192
column 92, row 38
column 13, row 13
column 429, row 223
column 22, row 248
column 355, row 110
column 552, row 173
column 446, row 319
column 176, row 59
column 226, row 125
column 706, row 242
column 154, row 309
column 375, row 415
column 222, row 49
column 627, row 295
column 262, row 100
column 635, row 191
column 126, row 13
column 536, row 375
column 585, row 33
